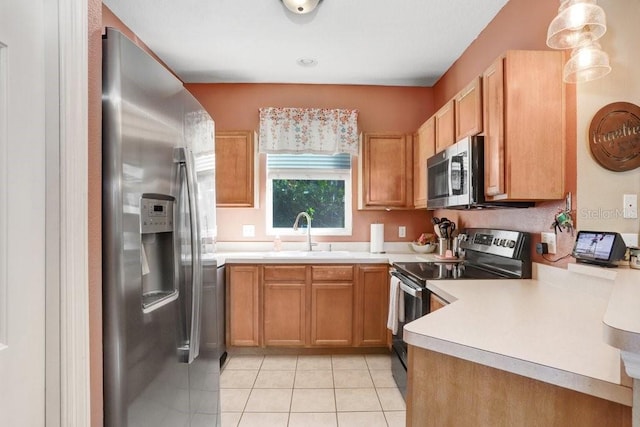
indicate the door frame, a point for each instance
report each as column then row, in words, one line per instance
column 67, row 366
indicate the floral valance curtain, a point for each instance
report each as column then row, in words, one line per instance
column 308, row 130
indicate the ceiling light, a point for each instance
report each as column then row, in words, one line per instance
column 301, row 6
column 588, row 62
column 575, row 19
column 307, row 62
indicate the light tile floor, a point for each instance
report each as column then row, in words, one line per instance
column 310, row 391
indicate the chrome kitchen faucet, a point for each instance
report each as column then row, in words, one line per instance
column 295, row 228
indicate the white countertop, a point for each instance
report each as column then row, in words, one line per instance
column 622, row 317
column 549, row 328
column 316, row 257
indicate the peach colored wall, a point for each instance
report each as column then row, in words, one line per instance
column 95, row 208
column 521, row 24
column 109, row 19
column 381, row 108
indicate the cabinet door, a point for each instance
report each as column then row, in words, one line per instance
column 423, row 148
column 332, row 314
column 243, row 313
column 235, row 164
column 436, row 303
column 372, row 306
column 386, row 174
column 445, row 126
column 468, row 110
column 493, row 108
column 284, row 314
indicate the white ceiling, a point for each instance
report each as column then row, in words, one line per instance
column 373, row 42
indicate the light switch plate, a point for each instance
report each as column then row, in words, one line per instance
column 550, row 240
column 402, row 231
column 248, row 230
column 630, row 205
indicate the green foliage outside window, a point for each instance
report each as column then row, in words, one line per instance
column 323, row 200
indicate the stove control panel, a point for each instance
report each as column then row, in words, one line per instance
column 506, row 243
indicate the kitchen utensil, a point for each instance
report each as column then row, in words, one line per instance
column 435, row 220
column 444, row 229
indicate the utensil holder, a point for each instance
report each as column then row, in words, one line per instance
column 443, row 246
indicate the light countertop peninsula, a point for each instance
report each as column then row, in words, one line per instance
column 549, row 328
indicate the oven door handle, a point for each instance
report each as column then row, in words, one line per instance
column 416, row 293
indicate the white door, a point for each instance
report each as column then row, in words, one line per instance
column 22, row 213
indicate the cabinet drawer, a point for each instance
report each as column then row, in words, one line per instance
column 332, row 272
column 285, row 273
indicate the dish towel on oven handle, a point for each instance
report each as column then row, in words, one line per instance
column 396, row 305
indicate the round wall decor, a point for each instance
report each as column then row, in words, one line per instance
column 614, row 136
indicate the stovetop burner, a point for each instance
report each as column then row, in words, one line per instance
column 423, row 271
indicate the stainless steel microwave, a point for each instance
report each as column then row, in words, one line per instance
column 455, row 178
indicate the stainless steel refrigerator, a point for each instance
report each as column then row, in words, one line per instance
column 160, row 367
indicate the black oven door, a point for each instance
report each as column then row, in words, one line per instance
column 416, row 305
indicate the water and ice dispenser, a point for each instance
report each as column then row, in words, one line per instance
column 157, row 251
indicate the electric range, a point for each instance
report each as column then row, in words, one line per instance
column 485, row 254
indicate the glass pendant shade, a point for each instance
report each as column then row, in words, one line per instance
column 577, row 22
column 301, row 6
column 588, row 62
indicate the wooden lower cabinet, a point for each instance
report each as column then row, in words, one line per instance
column 436, row 303
column 446, row 391
column 372, row 306
column 242, row 305
column 299, row 305
column 284, row 305
column 332, row 314
column 284, row 314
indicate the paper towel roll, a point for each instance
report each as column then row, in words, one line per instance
column 377, row 238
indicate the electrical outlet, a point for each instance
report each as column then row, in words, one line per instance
column 550, row 240
column 248, row 230
column 402, row 231
column 630, row 205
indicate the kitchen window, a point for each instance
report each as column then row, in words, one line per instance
column 315, row 183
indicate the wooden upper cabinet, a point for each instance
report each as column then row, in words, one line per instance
column 445, row 126
column 386, row 171
column 493, row 113
column 424, row 146
column 235, row 169
column 524, row 126
column 468, row 110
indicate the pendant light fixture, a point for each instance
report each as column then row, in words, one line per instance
column 301, row 6
column 577, row 26
column 575, row 19
column 587, row 62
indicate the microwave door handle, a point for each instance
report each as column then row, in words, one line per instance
column 449, row 171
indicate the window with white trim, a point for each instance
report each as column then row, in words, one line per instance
column 314, row 183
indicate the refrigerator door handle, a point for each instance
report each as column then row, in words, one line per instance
column 184, row 157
